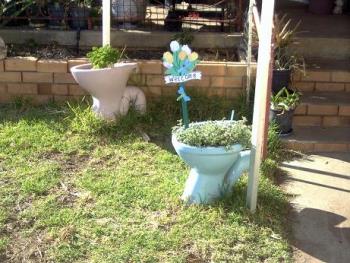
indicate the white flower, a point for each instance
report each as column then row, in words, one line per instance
column 174, row 46
column 186, row 49
column 167, row 65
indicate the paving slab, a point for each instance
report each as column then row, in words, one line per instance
column 320, row 189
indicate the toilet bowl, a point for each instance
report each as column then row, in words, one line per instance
column 106, row 86
column 214, row 170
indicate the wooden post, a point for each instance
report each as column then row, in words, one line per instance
column 106, row 22
column 256, row 19
column 261, row 101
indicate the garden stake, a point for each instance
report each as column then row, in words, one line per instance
column 179, row 64
column 184, row 99
column 232, row 115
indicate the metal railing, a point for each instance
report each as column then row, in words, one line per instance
column 169, row 15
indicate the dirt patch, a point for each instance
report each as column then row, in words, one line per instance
column 55, row 51
column 27, row 246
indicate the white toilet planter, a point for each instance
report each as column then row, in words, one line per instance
column 107, row 87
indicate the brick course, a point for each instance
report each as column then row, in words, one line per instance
column 307, row 120
column 8, row 77
column 21, row 64
column 316, row 76
column 50, row 65
column 49, row 79
column 75, row 90
column 64, row 78
column 3, row 88
column 327, row 86
column 344, row 110
column 322, row 109
column 37, row 77
column 59, row 89
column 22, row 88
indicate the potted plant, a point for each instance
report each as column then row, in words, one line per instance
column 105, row 79
column 56, row 13
column 282, row 109
column 286, row 62
column 216, row 152
column 79, row 14
column 37, row 13
column 213, row 149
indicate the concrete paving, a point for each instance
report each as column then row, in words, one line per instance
column 320, row 186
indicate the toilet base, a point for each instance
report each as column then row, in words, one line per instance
column 203, row 188
column 105, row 109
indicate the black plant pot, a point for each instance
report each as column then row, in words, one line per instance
column 78, row 18
column 280, row 79
column 56, row 13
column 284, row 120
column 38, row 16
column 173, row 21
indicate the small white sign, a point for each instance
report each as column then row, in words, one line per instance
column 181, row 79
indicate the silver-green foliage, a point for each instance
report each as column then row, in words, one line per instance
column 215, row 134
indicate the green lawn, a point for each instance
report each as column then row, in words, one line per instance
column 77, row 189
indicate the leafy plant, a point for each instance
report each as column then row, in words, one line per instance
column 274, row 143
column 14, row 8
column 285, row 100
column 185, row 37
column 283, row 32
column 103, row 57
column 214, row 134
column 284, row 37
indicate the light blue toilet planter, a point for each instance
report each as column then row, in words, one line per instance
column 214, row 170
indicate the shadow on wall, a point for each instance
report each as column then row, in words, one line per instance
column 322, row 235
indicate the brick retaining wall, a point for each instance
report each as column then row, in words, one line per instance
column 44, row 80
column 323, row 80
column 330, row 113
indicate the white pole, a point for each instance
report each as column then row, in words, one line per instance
column 106, row 22
column 261, row 101
column 249, row 49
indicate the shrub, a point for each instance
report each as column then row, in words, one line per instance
column 103, row 57
column 274, row 143
column 214, row 133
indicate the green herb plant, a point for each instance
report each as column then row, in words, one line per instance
column 106, row 56
column 285, row 100
column 215, row 134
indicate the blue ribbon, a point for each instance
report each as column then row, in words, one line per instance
column 183, row 94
